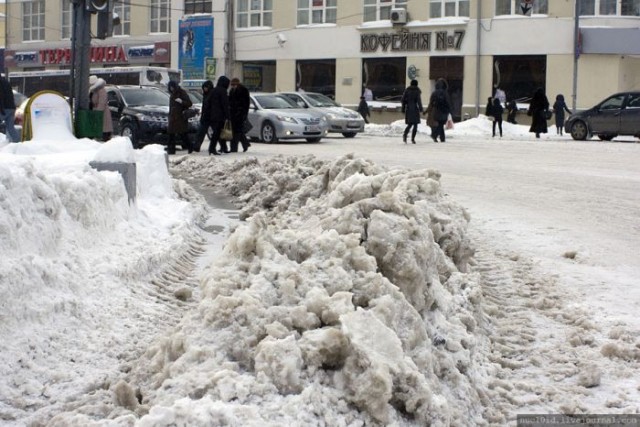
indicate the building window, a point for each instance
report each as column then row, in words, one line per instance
column 33, row 20
column 385, row 77
column 519, row 75
column 317, row 12
column 197, row 6
column 513, row 7
column 67, row 20
column 377, row 10
column 123, row 9
column 609, row 7
column 160, row 16
column 254, row 13
column 317, row 76
column 443, row 8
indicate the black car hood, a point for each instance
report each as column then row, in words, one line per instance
column 159, row 110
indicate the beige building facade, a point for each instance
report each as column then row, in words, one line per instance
column 339, row 47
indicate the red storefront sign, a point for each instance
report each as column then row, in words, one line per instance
column 97, row 54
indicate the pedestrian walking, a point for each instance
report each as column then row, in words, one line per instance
column 219, row 114
column 205, row 115
column 98, row 102
column 438, row 110
column 538, row 109
column 8, row 110
column 559, row 107
column 178, row 124
column 239, row 102
column 487, row 109
column 363, row 109
column 496, row 113
column 411, row 107
column 512, row 109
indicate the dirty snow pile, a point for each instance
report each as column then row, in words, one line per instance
column 76, row 266
column 342, row 300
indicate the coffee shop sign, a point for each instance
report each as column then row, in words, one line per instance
column 411, row 42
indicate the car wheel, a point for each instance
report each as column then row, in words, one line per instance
column 268, row 133
column 130, row 130
column 606, row 137
column 349, row 134
column 313, row 139
column 579, row 130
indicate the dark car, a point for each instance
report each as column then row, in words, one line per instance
column 141, row 113
column 618, row 114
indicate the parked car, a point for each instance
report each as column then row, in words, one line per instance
column 618, row 114
column 341, row 120
column 274, row 117
column 141, row 113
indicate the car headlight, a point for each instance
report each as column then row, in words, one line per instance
column 286, row 119
column 147, row 118
column 331, row 116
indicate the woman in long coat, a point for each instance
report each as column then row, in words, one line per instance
column 537, row 110
column 178, row 124
column 411, row 107
column 438, row 110
column 98, row 99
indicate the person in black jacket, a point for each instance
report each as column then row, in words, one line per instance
column 559, row 107
column 411, row 107
column 438, row 110
column 218, row 114
column 537, row 110
column 205, row 115
column 8, row 109
column 363, row 109
column 178, row 124
column 239, row 102
column 496, row 113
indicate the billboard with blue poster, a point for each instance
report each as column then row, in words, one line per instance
column 195, row 44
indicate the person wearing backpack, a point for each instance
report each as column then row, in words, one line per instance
column 438, row 110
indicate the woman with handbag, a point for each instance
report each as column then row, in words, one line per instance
column 239, row 102
column 219, row 114
column 538, row 111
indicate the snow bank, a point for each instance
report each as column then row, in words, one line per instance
column 343, row 300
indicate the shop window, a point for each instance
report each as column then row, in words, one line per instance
column 317, row 76
column 160, row 16
column 519, row 75
column 377, row 10
column 33, row 20
column 513, row 7
column 197, row 6
column 443, row 8
column 254, row 13
column 317, row 12
column 385, row 77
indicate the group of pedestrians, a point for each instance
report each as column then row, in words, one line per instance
column 228, row 101
column 438, row 110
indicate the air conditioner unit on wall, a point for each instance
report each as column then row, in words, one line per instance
column 398, row 16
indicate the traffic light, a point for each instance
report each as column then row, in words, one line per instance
column 106, row 20
column 97, row 6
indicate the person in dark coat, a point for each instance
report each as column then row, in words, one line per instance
column 8, row 110
column 487, row 109
column 496, row 113
column 205, row 115
column 537, row 110
column 363, row 109
column 179, row 101
column 438, row 110
column 512, row 110
column 559, row 107
column 218, row 114
column 239, row 102
column 411, row 107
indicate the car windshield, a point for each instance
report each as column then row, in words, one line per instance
column 320, row 100
column 144, row 96
column 271, row 102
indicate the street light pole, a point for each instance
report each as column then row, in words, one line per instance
column 80, row 49
column 576, row 53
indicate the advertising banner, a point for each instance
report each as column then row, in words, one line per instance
column 195, row 44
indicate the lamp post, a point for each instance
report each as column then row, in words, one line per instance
column 576, row 53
